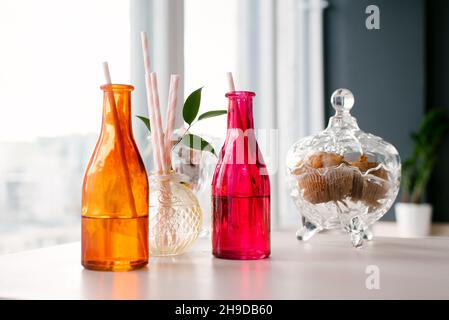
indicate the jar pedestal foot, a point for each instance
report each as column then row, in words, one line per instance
column 358, row 232
column 307, row 231
column 368, row 234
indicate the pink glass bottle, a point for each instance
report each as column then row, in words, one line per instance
column 241, row 188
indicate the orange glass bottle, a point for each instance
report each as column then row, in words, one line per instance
column 115, row 192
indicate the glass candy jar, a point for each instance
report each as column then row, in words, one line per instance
column 175, row 217
column 342, row 177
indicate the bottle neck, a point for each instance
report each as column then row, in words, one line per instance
column 240, row 111
column 117, row 111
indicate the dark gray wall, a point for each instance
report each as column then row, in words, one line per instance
column 385, row 69
column 438, row 97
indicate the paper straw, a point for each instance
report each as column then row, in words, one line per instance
column 157, row 135
column 155, row 132
column 158, row 121
column 230, row 81
column 171, row 111
column 156, row 151
column 121, row 149
column 107, row 74
column 146, row 52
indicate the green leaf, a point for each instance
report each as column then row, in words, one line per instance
column 195, row 142
column 192, row 106
column 146, row 121
column 213, row 113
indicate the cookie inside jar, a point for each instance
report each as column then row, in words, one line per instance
column 329, row 177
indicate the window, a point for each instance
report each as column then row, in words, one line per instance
column 210, row 51
column 50, row 101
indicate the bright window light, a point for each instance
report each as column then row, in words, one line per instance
column 51, row 103
column 50, row 64
column 210, row 52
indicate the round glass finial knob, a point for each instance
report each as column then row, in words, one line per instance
column 342, row 100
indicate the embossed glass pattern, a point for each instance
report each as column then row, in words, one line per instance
column 175, row 216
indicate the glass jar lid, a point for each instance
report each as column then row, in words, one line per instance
column 343, row 141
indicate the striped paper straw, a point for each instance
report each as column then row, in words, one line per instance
column 121, row 150
column 146, row 51
column 230, row 81
column 156, row 131
column 171, row 111
column 158, row 121
column 154, row 138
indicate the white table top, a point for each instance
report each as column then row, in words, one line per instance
column 327, row 267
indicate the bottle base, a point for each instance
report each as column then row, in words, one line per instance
column 241, row 256
column 114, row 265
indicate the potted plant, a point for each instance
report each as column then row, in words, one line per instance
column 413, row 215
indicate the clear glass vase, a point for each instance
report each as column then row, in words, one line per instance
column 175, row 216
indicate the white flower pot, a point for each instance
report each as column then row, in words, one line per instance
column 413, row 220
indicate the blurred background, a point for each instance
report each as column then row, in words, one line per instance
column 292, row 53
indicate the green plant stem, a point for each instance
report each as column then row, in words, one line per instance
column 182, row 137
